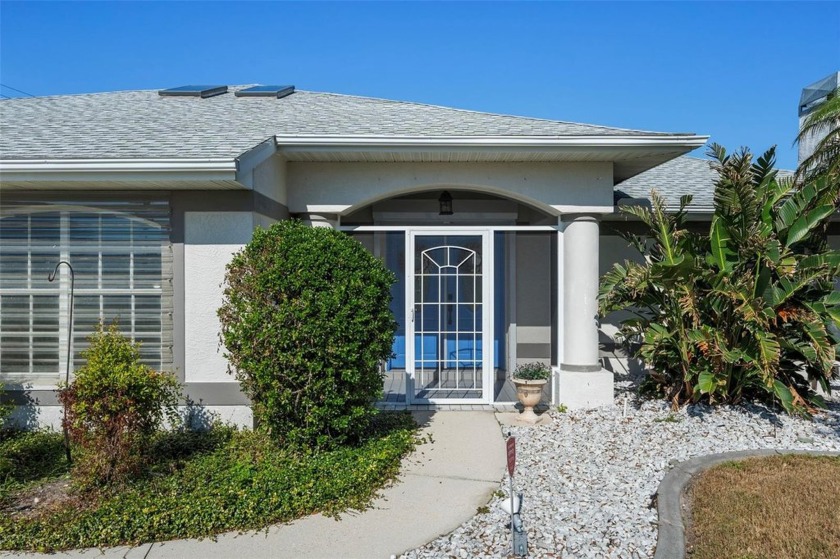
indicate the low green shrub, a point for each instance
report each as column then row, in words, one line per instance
column 532, row 371
column 306, row 323
column 210, row 482
column 113, row 406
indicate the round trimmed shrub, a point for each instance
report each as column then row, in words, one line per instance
column 306, row 323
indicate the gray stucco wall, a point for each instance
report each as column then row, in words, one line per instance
column 614, row 250
column 346, row 187
column 534, row 297
column 207, row 228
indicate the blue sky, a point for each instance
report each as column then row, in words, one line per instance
column 731, row 70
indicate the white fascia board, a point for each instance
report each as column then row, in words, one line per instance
column 304, row 143
column 213, row 169
column 571, row 209
column 116, row 165
column 327, row 208
column 692, row 211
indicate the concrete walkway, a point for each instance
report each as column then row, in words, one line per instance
column 440, row 486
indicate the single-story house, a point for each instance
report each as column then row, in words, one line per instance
column 493, row 225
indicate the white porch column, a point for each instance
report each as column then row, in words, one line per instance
column 580, row 293
column 582, row 382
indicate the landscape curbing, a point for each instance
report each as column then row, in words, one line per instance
column 670, row 543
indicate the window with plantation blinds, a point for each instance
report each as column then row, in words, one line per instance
column 122, row 259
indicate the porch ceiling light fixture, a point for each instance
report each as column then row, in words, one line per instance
column 445, row 203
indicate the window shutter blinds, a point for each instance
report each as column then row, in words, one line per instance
column 122, row 258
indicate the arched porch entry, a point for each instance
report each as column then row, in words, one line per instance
column 475, row 293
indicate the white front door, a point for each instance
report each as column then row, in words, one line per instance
column 449, row 349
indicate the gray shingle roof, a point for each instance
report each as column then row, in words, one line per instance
column 673, row 179
column 676, row 178
column 141, row 124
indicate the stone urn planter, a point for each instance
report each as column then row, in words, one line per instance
column 529, row 380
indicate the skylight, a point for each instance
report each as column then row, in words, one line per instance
column 277, row 91
column 202, row 91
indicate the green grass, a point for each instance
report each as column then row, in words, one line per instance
column 206, row 483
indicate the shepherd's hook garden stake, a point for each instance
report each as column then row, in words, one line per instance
column 51, row 278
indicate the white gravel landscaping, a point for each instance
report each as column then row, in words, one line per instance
column 589, row 476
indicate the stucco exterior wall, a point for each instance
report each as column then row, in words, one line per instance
column 533, row 298
column 554, row 187
column 210, row 240
column 269, row 179
column 613, row 249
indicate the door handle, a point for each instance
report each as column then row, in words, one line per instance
column 412, row 315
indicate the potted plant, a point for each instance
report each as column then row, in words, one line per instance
column 529, row 379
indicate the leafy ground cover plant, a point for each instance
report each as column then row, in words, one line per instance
column 306, row 323
column 28, row 457
column 204, row 483
column 745, row 310
column 113, row 406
